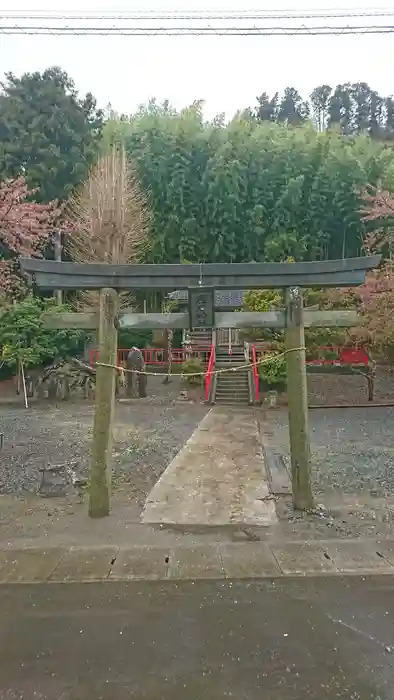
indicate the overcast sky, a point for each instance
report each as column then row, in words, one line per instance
column 226, row 72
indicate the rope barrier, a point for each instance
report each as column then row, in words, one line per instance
column 201, row 374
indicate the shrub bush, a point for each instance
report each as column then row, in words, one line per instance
column 24, row 337
column 193, row 366
column 272, row 372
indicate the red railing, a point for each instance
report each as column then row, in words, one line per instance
column 157, row 356
column 339, row 355
column 209, row 372
column 255, row 374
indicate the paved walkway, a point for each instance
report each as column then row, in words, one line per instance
column 209, row 561
column 218, row 478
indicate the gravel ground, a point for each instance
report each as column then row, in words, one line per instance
column 352, row 448
column 352, row 472
column 147, row 435
column 324, row 389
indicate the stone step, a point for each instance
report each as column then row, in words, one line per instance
column 230, row 363
column 229, row 387
column 232, row 378
column 232, row 370
column 240, row 381
column 232, row 402
column 235, row 353
column 236, row 396
column 232, row 397
column 244, row 400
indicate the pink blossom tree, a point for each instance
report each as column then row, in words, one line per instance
column 375, row 298
column 25, row 227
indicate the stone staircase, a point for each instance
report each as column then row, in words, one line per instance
column 201, row 338
column 231, row 387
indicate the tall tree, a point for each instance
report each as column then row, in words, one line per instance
column 361, row 94
column 376, row 117
column 341, row 110
column 110, row 217
column 47, row 133
column 352, row 108
column 389, row 121
column 357, row 109
column 320, row 97
column 292, row 109
column 267, row 108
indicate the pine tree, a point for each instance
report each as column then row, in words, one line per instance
column 47, row 132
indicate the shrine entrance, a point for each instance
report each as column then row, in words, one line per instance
column 200, row 281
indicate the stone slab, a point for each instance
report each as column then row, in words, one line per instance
column 85, row 564
column 353, row 556
column 29, row 565
column 197, row 562
column 144, row 563
column 278, row 476
column 248, row 560
column 302, row 558
column 217, row 479
column 207, row 561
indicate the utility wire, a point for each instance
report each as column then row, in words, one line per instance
column 195, row 31
column 195, row 14
column 187, row 17
column 193, row 22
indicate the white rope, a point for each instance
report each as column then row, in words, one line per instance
column 202, row 374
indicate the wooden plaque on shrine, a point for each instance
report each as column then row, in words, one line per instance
column 201, row 307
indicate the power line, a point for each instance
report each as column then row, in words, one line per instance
column 187, row 17
column 193, row 22
column 27, row 30
column 203, row 14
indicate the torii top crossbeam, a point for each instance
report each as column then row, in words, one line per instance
column 50, row 275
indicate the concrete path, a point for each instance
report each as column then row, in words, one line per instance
column 315, row 639
column 210, row 561
column 218, row 478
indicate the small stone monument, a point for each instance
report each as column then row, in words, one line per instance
column 59, row 480
column 53, row 481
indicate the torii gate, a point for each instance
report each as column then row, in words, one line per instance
column 201, row 281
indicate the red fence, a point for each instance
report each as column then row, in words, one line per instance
column 157, row 356
column 327, row 355
column 255, row 374
column 341, row 356
column 209, row 373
